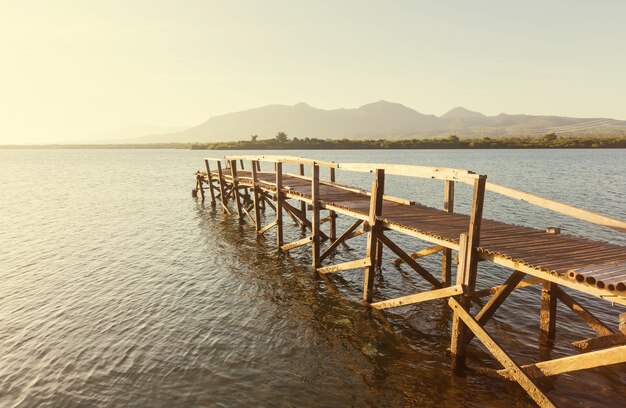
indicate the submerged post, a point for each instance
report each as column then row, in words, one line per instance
column 446, row 258
column 466, row 275
column 548, row 310
column 376, row 209
column 279, row 203
column 233, row 172
column 210, row 181
column 333, row 223
column 255, row 197
column 302, row 203
column 315, row 216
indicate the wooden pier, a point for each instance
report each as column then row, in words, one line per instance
column 556, row 261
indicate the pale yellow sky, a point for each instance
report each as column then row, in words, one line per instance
column 73, row 69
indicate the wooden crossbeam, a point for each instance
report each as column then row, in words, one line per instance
column 410, row 261
column 247, row 213
column 345, row 236
column 418, row 254
column 296, row 244
column 568, row 364
column 419, row 297
column 516, row 373
column 266, row 228
column 483, row 316
column 590, row 319
column 344, row 266
column 595, row 343
column 299, row 215
column 490, row 291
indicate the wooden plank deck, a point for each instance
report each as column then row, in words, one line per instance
column 546, row 253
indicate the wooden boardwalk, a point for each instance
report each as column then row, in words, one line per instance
column 534, row 256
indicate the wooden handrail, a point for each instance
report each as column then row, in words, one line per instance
column 558, row 207
column 465, row 176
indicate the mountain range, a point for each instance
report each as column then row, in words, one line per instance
column 379, row 120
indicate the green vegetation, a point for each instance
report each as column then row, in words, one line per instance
column 282, row 142
column 551, row 141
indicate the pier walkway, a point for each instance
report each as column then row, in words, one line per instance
column 534, row 257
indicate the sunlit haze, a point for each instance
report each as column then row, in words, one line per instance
column 73, row 70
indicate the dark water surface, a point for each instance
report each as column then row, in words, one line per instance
column 119, row 289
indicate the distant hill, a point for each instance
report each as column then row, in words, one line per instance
column 379, row 120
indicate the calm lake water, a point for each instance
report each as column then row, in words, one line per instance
column 119, row 289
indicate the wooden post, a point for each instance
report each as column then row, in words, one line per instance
column 315, row 216
column 302, row 203
column 255, row 198
column 241, row 163
column 194, row 191
column 279, row 204
column 262, row 202
column 466, row 275
column 200, row 181
column 446, row 256
column 547, row 322
column 376, row 207
column 210, row 180
column 223, row 197
column 333, row 223
column 233, row 172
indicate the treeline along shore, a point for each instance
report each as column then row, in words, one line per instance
column 451, row 142
column 284, row 143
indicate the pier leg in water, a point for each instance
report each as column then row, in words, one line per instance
column 548, row 310
column 315, row 217
column 233, row 172
column 333, row 216
column 446, row 256
column 302, row 203
column 210, row 182
column 466, row 275
column 279, row 204
column 376, row 209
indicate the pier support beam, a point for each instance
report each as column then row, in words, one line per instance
column 333, row 216
column 255, row 197
column 223, row 197
column 233, row 172
column 315, row 217
column 446, row 256
column 302, row 203
column 209, row 177
column 466, row 275
column 279, row 204
column 376, row 209
column 547, row 322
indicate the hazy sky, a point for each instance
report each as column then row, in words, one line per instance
column 71, row 69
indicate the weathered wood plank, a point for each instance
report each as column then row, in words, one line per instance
column 344, row 266
column 298, row 243
column 558, row 207
column 418, row 254
column 592, row 359
column 419, row 297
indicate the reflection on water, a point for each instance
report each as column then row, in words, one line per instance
column 119, row 289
